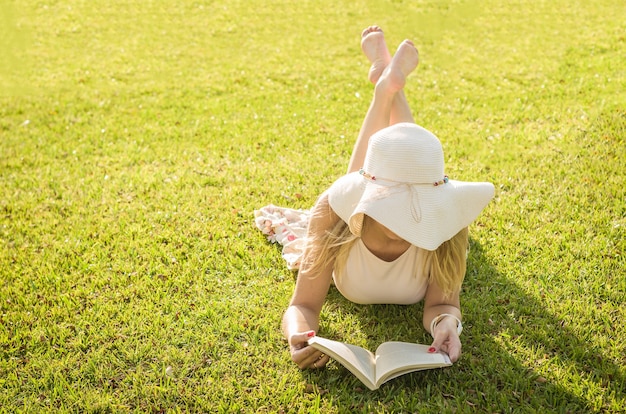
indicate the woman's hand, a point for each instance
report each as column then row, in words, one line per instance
column 302, row 354
column 446, row 339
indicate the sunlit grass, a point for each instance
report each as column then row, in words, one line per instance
column 137, row 138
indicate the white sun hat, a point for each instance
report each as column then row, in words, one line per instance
column 403, row 187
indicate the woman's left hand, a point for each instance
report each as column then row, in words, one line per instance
column 446, row 339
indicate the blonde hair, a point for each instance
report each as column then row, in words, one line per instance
column 327, row 249
column 446, row 265
column 448, row 262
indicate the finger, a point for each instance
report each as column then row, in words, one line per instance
column 300, row 338
column 454, row 350
column 437, row 343
column 320, row 362
column 324, row 360
column 454, row 353
column 315, row 360
column 305, row 357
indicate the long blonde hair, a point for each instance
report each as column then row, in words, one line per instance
column 446, row 265
column 448, row 262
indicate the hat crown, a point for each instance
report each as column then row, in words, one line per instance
column 405, row 153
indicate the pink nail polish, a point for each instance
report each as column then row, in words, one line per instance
column 432, row 349
column 310, row 334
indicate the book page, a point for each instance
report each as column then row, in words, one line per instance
column 396, row 358
column 357, row 360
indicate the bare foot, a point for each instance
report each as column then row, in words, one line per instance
column 374, row 46
column 403, row 63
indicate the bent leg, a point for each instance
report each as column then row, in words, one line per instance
column 400, row 111
column 388, row 91
column 375, row 49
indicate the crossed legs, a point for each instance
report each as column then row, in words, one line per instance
column 389, row 105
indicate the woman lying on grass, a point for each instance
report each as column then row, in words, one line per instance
column 394, row 229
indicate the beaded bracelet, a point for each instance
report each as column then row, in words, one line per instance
column 438, row 318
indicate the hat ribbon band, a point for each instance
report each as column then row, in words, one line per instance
column 375, row 178
column 386, row 191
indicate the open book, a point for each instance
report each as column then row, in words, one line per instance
column 391, row 359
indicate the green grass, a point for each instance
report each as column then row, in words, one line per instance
column 137, row 138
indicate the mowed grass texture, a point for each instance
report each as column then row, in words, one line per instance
column 137, row 138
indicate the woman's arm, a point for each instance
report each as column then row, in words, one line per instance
column 301, row 319
column 445, row 333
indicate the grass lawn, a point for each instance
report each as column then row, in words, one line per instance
column 138, row 137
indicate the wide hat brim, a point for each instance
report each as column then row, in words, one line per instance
column 424, row 215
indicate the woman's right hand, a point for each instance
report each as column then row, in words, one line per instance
column 303, row 355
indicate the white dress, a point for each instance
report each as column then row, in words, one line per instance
column 368, row 279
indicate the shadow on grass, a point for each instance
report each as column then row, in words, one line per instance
column 490, row 376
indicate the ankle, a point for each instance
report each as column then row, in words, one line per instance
column 386, row 87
